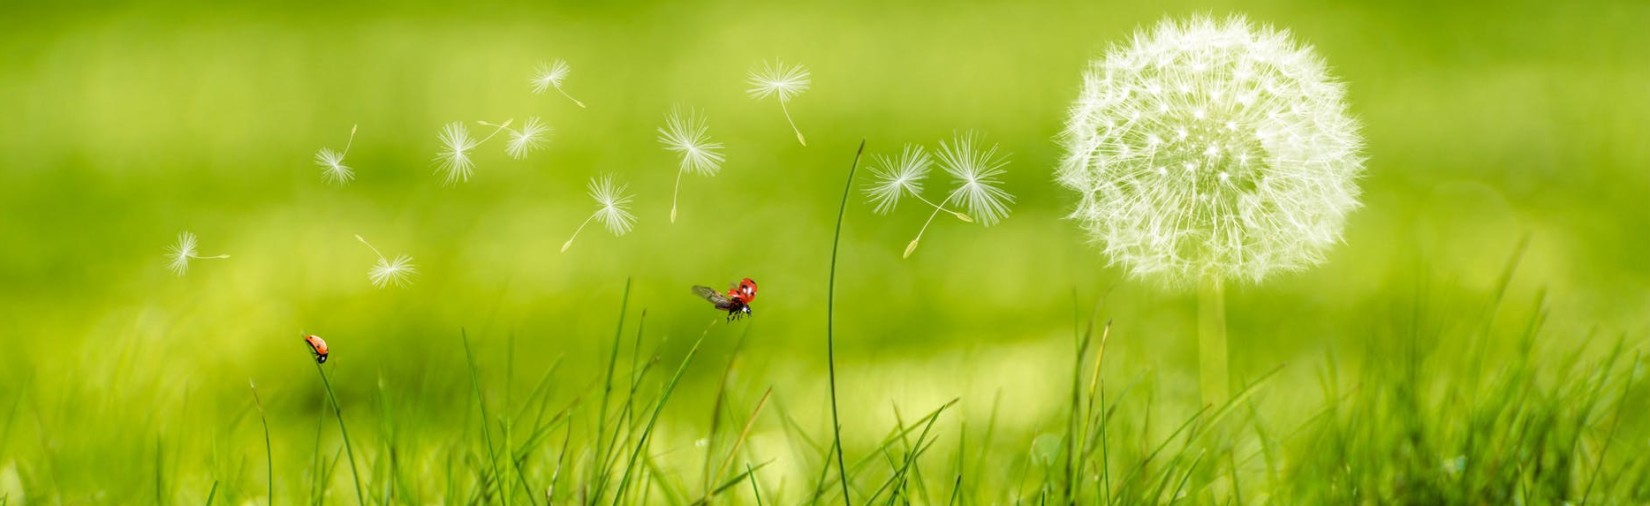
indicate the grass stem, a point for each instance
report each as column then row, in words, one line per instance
column 1211, row 341
column 360, row 497
column 830, row 324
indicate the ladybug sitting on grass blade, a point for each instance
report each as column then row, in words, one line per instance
column 737, row 302
column 319, row 346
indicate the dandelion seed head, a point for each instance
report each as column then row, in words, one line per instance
column 976, row 170
column 181, row 253
column 1211, row 149
column 892, row 177
column 397, row 272
column 454, row 163
column 614, row 212
column 776, row 78
column 532, row 135
column 550, row 75
column 688, row 136
column 332, row 166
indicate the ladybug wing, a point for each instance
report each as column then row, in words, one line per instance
column 721, row 301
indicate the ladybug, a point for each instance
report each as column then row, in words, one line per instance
column 319, row 346
column 737, row 302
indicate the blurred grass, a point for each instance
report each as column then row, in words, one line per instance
column 127, row 123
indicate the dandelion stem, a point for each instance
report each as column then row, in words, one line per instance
column 213, row 257
column 830, row 327
column 1211, row 341
column 369, row 246
column 496, row 129
column 504, row 126
column 912, row 248
column 570, row 97
column 788, row 119
column 569, row 242
column 959, row 214
column 675, row 193
column 351, row 141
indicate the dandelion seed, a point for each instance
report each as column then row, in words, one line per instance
column 688, row 136
column 786, row 82
column 976, row 171
column 454, row 161
column 183, row 251
column 614, row 212
column 548, row 76
column 977, row 190
column 332, row 162
column 386, row 271
column 531, row 137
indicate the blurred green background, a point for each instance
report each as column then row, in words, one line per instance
column 123, row 124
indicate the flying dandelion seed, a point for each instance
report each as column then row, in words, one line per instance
column 976, row 171
column 614, row 212
column 785, row 82
column 893, row 177
column 532, row 136
column 454, row 162
column 689, row 138
column 332, row 162
column 182, row 252
column 386, row 271
column 978, row 190
column 548, row 76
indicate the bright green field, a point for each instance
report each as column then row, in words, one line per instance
column 1475, row 340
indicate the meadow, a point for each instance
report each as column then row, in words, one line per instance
column 1476, row 337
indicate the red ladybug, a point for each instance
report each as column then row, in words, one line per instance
column 737, row 302
column 319, row 346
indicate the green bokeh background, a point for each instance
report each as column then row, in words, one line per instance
column 123, row 124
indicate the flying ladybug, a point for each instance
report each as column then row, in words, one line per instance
column 737, row 302
column 318, row 346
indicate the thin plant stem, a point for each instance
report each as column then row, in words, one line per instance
column 1211, row 341
column 788, row 119
column 369, row 246
column 675, row 193
column 496, row 129
column 959, row 214
column 570, row 97
column 569, row 242
column 351, row 141
column 912, row 248
column 360, row 497
column 269, row 448
column 486, row 434
column 830, row 325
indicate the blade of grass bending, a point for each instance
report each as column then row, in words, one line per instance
column 664, row 396
column 756, row 490
column 269, row 448
column 1610, row 436
column 607, row 392
column 830, row 324
column 486, row 434
column 360, row 497
column 745, row 432
column 732, row 482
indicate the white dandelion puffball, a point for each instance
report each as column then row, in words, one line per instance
column 1207, row 150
